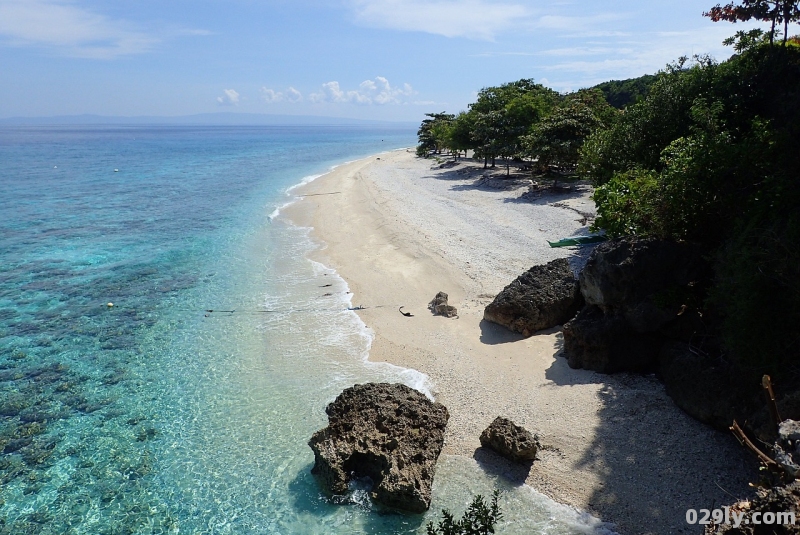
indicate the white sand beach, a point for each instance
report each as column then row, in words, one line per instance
column 399, row 229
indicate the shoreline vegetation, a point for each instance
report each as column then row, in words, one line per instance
column 692, row 172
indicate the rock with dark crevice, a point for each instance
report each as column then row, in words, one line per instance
column 389, row 433
column 541, row 298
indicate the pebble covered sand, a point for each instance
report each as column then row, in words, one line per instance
column 400, row 228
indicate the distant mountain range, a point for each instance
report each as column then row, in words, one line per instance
column 212, row 119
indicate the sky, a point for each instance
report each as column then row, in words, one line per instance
column 389, row 60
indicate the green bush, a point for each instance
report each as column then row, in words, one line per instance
column 479, row 519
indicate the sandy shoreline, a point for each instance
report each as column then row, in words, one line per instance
column 399, row 231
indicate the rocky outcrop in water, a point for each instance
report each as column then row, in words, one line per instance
column 389, row 433
column 439, row 306
column 511, row 441
column 542, row 297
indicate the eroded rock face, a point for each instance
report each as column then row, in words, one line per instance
column 640, row 279
column 439, row 306
column 510, row 440
column 542, row 297
column 388, row 432
column 637, row 294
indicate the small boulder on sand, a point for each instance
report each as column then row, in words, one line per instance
column 440, row 307
column 510, row 440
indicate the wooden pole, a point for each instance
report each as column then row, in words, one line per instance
column 766, row 383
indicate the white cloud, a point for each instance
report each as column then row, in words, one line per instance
column 229, row 98
column 632, row 56
column 270, row 95
column 473, row 19
column 69, row 30
column 377, row 91
column 293, row 95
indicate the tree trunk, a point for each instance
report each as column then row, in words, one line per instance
column 493, row 157
column 485, row 161
column 772, row 31
column 785, row 28
column 508, row 170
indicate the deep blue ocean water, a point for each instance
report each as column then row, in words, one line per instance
column 186, row 406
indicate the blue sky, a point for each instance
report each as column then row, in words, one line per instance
column 372, row 59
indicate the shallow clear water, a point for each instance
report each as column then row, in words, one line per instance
column 157, row 415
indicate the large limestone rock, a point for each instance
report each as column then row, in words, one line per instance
column 641, row 279
column 510, row 440
column 542, row 297
column 638, row 295
column 387, row 432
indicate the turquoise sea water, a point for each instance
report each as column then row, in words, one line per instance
column 156, row 415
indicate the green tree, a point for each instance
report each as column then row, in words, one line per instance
column 555, row 141
column 432, row 132
column 504, row 113
column 479, row 519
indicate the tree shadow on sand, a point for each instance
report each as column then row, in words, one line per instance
column 654, row 461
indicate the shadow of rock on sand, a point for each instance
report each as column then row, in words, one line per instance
column 654, row 461
column 493, row 334
column 494, row 464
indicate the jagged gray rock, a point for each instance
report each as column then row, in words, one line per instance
column 510, row 440
column 542, row 297
column 439, row 306
column 388, row 432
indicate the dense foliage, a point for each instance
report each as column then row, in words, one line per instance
column 621, row 93
column 711, row 155
column 519, row 120
column 479, row 519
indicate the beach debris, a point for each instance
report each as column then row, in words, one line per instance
column 388, row 433
column 439, row 306
column 510, row 440
column 326, row 285
column 541, row 298
column 406, row 314
column 776, row 505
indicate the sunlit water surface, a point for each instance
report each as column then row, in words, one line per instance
column 158, row 415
